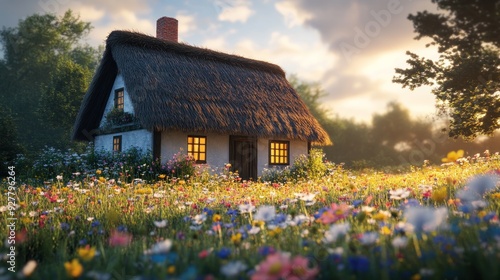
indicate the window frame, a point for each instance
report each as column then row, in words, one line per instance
column 198, row 145
column 120, row 143
column 117, row 105
column 287, row 149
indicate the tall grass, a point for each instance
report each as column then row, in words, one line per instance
column 436, row 222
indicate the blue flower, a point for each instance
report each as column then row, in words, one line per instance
column 95, row 223
column 477, row 187
column 232, row 212
column 446, row 243
column 121, row 228
column 489, row 216
column 357, row 202
column 228, row 225
column 208, row 211
column 169, row 258
column 190, row 274
column 280, row 218
column 412, row 202
column 223, row 253
column 65, row 226
column 266, row 250
column 320, row 212
column 359, row 263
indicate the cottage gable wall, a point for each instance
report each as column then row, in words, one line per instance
column 128, row 106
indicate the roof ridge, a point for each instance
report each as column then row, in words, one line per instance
column 144, row 41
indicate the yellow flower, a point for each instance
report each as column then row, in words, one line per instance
column 453, row 156
column 162, row 176
column 171, row 269
column 259, row 224
column 496, row 195
column 275, row 232
column 236, row 238
column 86, row 253
column 98, row 172
column 144, row 191
column 216, row 218
column 439, row 195
column 181, row 182
column 102, row 179
column 481, row 214
column 74, row 268
column 382, row 215
column 385, row 230
column 416, row 277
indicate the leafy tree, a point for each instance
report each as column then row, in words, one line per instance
column 353, row 143
column 44, row 71
column 9, row 147
column 311, row 93
column 396, row 129
column 465, row 77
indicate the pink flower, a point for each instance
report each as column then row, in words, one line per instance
column 301, row 270
column 279, row 266
column 118, row 238
column 203, row 254
column 335, row 213
column 275, row 266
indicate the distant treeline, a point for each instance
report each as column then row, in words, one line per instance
column 392, row 139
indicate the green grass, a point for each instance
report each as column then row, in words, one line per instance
column 55, row 220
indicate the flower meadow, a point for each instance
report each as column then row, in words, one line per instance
column 433, row 222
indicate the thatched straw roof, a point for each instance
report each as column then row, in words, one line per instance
column 177, row 87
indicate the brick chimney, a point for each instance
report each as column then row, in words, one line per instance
column 167, row 29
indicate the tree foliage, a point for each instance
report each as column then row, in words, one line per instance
column 466, row 77
column 393, row 138
column 9, row 147
column 45, row 70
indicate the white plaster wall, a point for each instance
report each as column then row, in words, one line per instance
column 217, row 147
column 297, row 148
column 141, row 138
column 127, row 103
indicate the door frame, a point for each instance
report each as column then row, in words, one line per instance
column 252, row 166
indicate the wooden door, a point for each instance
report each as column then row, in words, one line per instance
column 243, row 156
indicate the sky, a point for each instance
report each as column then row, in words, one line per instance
column 350, row 48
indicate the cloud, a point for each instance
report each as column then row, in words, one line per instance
column 292, row 15
column 309, row 60
column 234, row 11
column 368, row 26
column 187, row 23
column 369, row 40
column 216, row 43
column 60, row 6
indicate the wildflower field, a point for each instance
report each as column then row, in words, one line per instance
column 433, row 222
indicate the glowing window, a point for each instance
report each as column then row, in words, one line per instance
column 119, row 98
column 117, row 143
column 279, row 152
column 197, row 147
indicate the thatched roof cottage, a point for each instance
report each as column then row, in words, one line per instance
column 158, row 94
